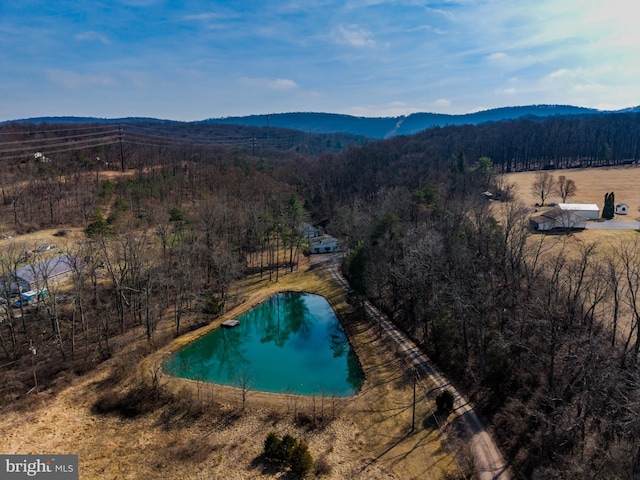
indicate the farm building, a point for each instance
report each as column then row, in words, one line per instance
column 622, row 209
column 590, row 211
column 33, row 277
column 557, row 218
column 324, row 244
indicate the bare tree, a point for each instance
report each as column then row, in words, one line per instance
column 244, row 381
column 565, row 187
column 543, row 186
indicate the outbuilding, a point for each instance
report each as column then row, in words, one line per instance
column 590, row 211
column 556, row 218
column 622, row 209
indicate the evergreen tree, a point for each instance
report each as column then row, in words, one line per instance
column 609, row 208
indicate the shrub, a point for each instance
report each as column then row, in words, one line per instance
column 272, row 446
column 288, row 453
column 287, row 446
column 300, row 459
column 444, row 402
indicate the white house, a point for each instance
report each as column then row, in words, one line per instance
column 556, row 218
column 588, row 210
column 324, row 244
column 622, row 209
column 310, row 231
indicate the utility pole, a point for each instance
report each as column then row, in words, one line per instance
column 120, row 140
column 413, row 414
column 33, row 365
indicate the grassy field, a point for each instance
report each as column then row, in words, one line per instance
column 592, row 184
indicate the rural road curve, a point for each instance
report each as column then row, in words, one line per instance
column 488, row 460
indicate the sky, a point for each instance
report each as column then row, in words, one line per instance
column 197, row 59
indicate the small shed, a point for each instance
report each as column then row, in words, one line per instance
column 556, row 218
column 622, row 209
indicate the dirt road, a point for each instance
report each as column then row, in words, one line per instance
column 488, row 460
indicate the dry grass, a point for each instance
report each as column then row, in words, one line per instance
column 592, row 184
column 363, row 437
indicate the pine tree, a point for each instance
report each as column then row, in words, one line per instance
column 609, row 209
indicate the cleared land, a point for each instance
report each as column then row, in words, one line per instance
column 592, row 184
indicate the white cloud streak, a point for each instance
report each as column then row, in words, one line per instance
column 353, row 36
column 92, row 36
column 75, row 80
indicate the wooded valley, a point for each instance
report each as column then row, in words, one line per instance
column 542, row 332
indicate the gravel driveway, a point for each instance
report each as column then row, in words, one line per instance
column 613, row 224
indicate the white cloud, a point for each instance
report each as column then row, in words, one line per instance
column 506, row 91
column 75, row 80
column 92, row 36
column 204, row 16
column 498, row 56
column 561, row 73
column 282, row 84
column 353, row 36
column 272, row 84
column 442, row 103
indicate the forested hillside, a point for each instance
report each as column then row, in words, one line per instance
column 544, row 337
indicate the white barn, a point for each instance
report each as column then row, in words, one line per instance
column 588, row 210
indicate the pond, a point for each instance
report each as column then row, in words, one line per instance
column 291, row 343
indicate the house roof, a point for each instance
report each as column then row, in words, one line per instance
column 554, row 213
column 579, row 206
column 47, row 269
column 323, row 240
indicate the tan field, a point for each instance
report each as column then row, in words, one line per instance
column 592, row 185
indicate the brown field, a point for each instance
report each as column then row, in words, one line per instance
column 367, row 436
column 592, row 184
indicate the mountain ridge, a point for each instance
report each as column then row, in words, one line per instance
column 372, row 127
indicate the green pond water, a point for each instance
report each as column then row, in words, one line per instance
column 291, row 343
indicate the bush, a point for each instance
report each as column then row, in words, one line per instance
column 444, row 402
column 300, row 459
column 272, row 446
column 288, row 453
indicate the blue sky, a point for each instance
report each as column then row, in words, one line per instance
column 196, row 59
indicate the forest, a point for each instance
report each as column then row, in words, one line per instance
column 543, row 335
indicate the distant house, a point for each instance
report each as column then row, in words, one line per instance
column 324, row 244
column 557, row 218
column 622, row 209
column 309, row 231
column 36, row 276
column 588, row 210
